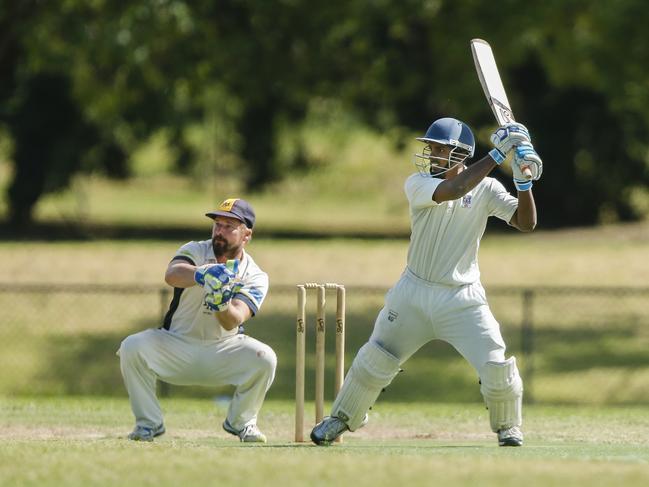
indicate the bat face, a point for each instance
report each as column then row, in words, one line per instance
column 485, row 65
column 492, row 85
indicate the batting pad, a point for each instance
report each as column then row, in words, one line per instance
column 502, row 389
column 372, row 370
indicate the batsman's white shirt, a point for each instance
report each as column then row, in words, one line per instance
column 439, row 296
column 446, row 237
column 188, row 314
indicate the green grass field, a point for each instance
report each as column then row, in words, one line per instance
column 81, row 442
column 590, row 350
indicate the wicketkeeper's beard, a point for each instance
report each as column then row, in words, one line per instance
column 222, row 248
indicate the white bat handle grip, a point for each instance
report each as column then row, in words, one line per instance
column 526, row 172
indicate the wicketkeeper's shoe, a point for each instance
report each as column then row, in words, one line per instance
column 326, row 431
column 249, row 434
column 143, row 433
column 510, row 437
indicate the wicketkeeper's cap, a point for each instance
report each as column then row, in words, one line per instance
column 235, row 208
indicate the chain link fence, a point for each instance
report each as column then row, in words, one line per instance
column 573, row 345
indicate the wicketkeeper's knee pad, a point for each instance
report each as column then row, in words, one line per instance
column 372, row 370
column 502, row 389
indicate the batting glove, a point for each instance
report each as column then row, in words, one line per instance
column 215, row 276
column 526, row 157
column 219, row 300
column 507, row 137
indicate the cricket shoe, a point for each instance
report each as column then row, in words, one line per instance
column 510, row 436
column 326, row 431
column 249, row 434
column 144, row 433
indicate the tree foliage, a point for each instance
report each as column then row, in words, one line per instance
column 83, row 81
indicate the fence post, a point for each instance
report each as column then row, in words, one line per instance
column 163, row 387
column 527, row 343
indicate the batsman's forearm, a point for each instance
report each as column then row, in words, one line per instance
column 526, row 212
column 454, row 188
column 475, row 173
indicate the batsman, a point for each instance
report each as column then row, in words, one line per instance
column 439, row 295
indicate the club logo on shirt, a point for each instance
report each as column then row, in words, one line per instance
column 392, row 315
column 466, row 201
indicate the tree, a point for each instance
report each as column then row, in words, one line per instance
column 121, row 70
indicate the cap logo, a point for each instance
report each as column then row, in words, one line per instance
column 228, row 204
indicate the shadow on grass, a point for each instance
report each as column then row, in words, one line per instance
column 582, row 347
column 79, row 231
column 87, row 364
column 83, row 364
column 72, row 230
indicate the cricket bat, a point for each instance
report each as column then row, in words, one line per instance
column 485, row 65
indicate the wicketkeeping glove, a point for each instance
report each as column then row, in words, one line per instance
column 215, row 276
column 526, row 156
column 219, row 299
column 507, row 137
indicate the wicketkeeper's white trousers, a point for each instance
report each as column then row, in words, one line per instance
column 240, row 360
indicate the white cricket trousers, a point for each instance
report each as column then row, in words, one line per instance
column 240, row 360
column 417, row 311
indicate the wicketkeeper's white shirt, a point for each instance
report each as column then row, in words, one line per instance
column 188, row 314
column 445, row 237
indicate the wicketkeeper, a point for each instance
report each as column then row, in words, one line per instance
column 439, row 295
column 217, row 287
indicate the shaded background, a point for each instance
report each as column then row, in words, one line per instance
column 83, row 84
column 127, row 120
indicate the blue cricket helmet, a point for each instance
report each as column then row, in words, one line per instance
column 450, row 131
